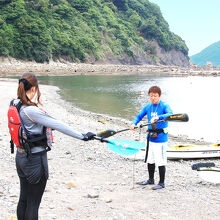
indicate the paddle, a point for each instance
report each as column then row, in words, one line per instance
column 122, row 147
column 197, row 166
column 178, row 118
column 175, row 118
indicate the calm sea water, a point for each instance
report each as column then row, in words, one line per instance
column 124, row 96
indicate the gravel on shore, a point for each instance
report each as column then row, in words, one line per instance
column 88, row 181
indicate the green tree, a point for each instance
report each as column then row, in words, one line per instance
column 81, row 5
column 75, row 29
column 121, row 4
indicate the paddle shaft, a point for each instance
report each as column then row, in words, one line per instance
column 141, row 126
column 103, row 140
column 175, row 117
column 109, row 133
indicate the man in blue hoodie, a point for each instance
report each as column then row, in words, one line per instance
column 157, row 135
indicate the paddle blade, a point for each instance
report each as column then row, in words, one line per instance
column 125, row 147
column 106, row 133
column 197, row 166
column 178, row 117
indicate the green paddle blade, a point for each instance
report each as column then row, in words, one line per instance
column 125, row 147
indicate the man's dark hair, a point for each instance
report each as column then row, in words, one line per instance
column 155, row 89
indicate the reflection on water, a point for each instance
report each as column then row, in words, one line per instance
column 124, row 96
column 112, row 95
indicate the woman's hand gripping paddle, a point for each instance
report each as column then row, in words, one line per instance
column 172, row 118
column 122, row 147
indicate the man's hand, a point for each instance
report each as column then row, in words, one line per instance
column 154, row 119
column 132, row 127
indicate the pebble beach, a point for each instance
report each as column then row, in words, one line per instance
column 88, row 181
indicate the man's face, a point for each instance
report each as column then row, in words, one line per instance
column 154, row 98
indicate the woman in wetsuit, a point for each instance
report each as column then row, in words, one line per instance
column 32, row 168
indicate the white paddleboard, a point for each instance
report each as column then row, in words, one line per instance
column 193, row 151
column 185, row 152
column 210, row 174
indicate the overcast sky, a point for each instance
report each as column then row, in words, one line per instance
column 197, row 22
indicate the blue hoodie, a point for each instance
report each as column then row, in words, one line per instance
column 161, row 110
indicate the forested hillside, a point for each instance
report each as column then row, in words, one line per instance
column 75, row 30
column 209, row 54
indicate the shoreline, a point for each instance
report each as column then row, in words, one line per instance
column 122, row 122
column 13, row 67
column 88, row 181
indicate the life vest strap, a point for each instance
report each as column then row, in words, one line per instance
column 24, row 140
column 158, row 131
column 12, row 146
column 152, row 133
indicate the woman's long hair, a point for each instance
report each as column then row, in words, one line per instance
column 27, row 81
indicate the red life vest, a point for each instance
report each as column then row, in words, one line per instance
column 20, row 137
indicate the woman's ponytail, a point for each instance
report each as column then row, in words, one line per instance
column 27, row 81
column 22, row 94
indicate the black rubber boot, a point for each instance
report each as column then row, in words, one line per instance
column 148, row 182
column 151, row 170
column 162, row 171
column 161, row 185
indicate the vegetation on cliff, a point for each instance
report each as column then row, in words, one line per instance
column 41, row 30
column 209, row 54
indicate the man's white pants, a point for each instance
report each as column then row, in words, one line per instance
column 157, row 153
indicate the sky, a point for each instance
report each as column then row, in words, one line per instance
column 197, row 22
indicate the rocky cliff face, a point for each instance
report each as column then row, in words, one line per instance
column 171, row 58
column 157, row 56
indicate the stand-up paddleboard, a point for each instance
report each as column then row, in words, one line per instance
column 210, row 174
column 208, row 171
column 193, row 151
column 185, row 152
